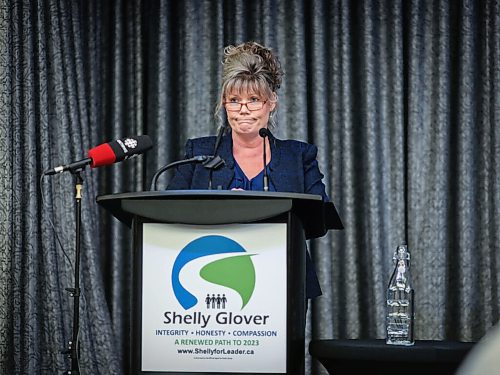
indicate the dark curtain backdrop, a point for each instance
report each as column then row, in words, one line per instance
column 401, row 98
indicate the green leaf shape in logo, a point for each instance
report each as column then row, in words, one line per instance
column 237, row 273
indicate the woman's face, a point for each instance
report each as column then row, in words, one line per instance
column 246, row 121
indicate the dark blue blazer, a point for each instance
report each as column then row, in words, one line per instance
column 293, row 168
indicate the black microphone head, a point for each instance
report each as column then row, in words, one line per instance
column 125, row 148
column 264, row 132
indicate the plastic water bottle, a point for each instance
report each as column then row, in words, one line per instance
column 400, row 304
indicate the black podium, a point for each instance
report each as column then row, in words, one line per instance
column 219, row 278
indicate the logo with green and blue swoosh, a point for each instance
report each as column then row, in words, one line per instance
column 235, row 271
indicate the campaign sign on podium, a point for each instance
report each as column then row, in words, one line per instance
column 214, row 298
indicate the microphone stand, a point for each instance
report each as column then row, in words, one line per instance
column 73, row 347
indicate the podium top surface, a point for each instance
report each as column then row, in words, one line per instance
column 222, row 207
column 204, row 194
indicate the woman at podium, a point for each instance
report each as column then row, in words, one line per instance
column 251, row 78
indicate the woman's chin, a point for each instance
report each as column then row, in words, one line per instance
column 247, row 130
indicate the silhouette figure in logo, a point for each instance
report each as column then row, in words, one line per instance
column 218, row 302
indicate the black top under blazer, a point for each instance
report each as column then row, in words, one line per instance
column 293, row 168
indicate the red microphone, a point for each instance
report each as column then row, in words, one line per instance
column 108, row 153
column 119, row 150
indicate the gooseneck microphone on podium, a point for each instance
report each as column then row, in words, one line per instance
column 264, row 132
column 159, row 172
column 108, row 153
column 209, row 161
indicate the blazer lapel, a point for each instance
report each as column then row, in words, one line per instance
column 224, row 175
column 276, row 167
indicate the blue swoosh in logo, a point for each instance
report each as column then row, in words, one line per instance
column 203, row 246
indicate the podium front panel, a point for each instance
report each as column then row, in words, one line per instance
column 305, row 216
column 213, row 298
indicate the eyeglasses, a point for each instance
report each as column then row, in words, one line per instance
column 252, row 106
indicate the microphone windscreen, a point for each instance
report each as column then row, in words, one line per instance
column 101, row 155
column 263, row 132
column 121, row 149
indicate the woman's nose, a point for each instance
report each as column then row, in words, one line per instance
column 244, row 108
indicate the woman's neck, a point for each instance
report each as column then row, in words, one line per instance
column 248, row 154
column 246, row 142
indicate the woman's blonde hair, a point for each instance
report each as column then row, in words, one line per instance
column 250, row 67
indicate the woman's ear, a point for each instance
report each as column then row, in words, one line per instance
column 273, row 101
